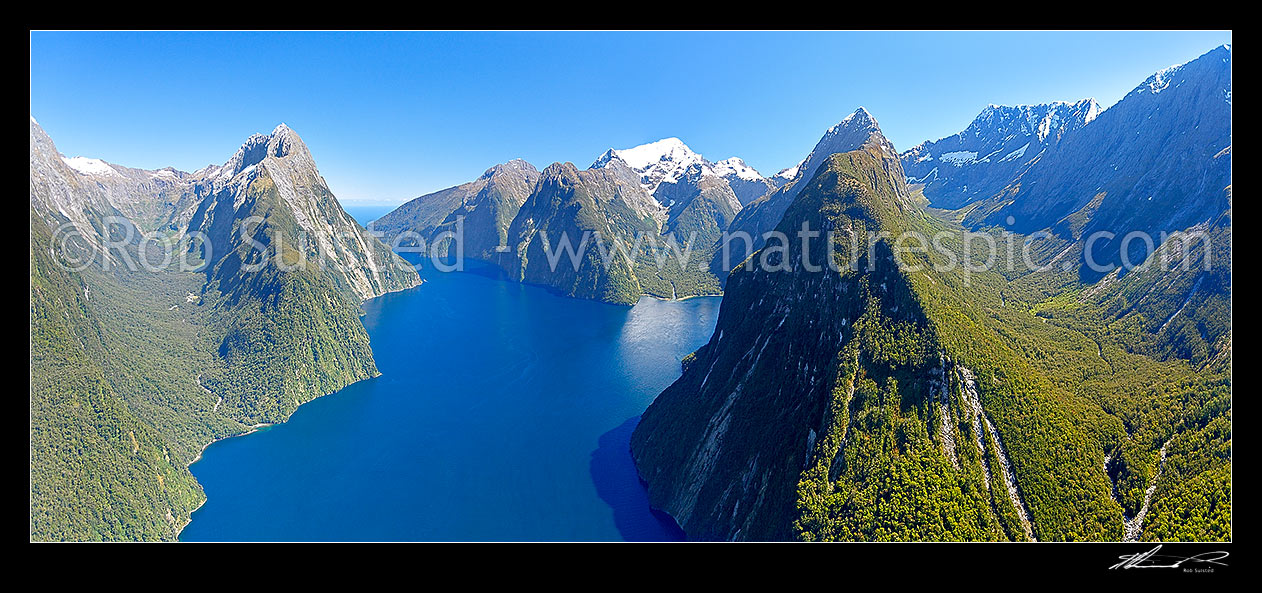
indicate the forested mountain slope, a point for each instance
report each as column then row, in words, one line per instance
column 646, row 204
column 484, row 207
column 137, row 364
column 903, row 401
column 763, row 214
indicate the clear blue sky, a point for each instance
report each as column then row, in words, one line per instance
column 390, row 116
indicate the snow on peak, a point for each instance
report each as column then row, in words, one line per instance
column 791, row 172
column 852, row 133
column 1178, row 73
column 1040, row 120
column 959, row 158
column 1161, row 79
column 89, row 166
column 736, row 166
column 665, row 150
column 860, row 118
column 1093, row 110
column 666, row 160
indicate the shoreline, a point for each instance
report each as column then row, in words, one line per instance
column 504, row 276
column 253, row 429
column 261, row 425
column 653, row 509
column 682, row 299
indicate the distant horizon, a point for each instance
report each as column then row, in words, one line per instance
column 568, row 105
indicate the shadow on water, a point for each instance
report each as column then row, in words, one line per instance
column 618, row 484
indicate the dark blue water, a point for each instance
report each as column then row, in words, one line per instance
column 503, row 413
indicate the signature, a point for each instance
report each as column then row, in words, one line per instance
column 1151, row 559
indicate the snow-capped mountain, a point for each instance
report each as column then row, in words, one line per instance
column 1158, row 160
column 669, row 160
column 694, row 193
column 787, row 175
column 89, row 166
column 746, row 182
column 999, row 143
column 217, row 195
column 656, row 162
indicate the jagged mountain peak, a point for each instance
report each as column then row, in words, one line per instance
column 513, row 166
column 999, row 143
column 80, row 164
column 282, row 142
column 559, row 170
column 857, row 131
column 645, row 155
column 656, row 162
column 788, row 173
column 1039, row 120
column 851, row 133
column 1152, row 162
column 861, row 118
column 89, row 166
column 736, row 167
column 560, row 177
column 1217, row 60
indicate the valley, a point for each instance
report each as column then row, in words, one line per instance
column 1018, row 333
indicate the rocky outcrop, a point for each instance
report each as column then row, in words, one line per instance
column 763, row 214
column 992, row 151
column 1158, row 160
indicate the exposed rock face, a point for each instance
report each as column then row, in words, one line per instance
column 215, row 197
column 696, row 194
column 992, row 151
column 1158, row 160
column 782, row 423
column 763, row 214
column 655, row 162
column 698, row 202
column 644, row 198
column 63, row 194
column 801, row 419
column 722, row 448
column 356, row 261
column 747, row 183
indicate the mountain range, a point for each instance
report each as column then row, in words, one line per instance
column 648, row 200
column 898, row 398
column 999, row 144
column 906, row 399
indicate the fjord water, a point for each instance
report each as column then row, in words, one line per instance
column 503, row 413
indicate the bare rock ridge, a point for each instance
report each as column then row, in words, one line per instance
column 992, row 151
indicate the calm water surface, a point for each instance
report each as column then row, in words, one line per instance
column 504, row 412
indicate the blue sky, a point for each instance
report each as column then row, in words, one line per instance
column 390, row 116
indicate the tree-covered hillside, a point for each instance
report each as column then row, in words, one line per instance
column 903, row 401
column 136, row 367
